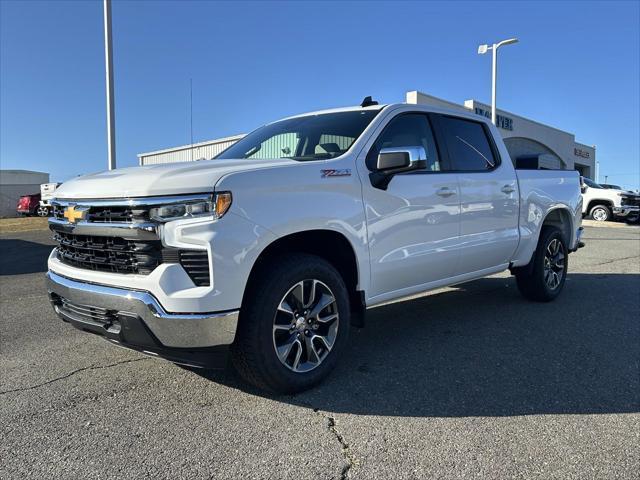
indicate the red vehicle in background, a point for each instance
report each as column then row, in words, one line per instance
column 29, row 204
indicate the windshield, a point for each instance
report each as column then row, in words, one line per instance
column 311, row 137
column 591, row 183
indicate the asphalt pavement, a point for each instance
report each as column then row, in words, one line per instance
column 465, row 382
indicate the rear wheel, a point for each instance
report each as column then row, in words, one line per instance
column 544, row 279
column 42, row 211
column 294, row 324
column 600, row 213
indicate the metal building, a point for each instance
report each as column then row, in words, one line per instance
column 197, row 151
column 14, row 184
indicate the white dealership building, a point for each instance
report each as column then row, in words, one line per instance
column 531, row 144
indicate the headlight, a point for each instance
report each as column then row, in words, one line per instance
column 215, row 206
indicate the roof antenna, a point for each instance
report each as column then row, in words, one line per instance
column 368, row 101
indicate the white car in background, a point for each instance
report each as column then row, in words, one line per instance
column 46, row 195
column 603, row 204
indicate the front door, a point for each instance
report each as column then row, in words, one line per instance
column 413, row 224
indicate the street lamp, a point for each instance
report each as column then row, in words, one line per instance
column 482, row 49
column 108, row 64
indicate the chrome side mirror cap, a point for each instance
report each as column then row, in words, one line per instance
column 394, row 160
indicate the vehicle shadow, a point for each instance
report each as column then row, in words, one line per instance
column 480, row 349
column 18, row 257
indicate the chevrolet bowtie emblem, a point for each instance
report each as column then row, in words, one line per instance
column 73, row 213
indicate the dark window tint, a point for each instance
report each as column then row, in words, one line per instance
column 468, row 145
column 407, row 130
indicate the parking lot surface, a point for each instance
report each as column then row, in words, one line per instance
column 465, row 382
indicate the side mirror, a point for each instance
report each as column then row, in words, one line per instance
column 394, row 160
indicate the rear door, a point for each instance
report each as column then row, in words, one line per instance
column 413, row 225
column 488, row 194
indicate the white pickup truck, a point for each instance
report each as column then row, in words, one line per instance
column 603, row 204
column 279, row 245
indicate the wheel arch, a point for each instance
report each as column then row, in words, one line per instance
column 561, row 218
column 599, row 201
column 330, row 245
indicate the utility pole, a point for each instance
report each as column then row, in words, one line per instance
column 191, row 113
column 482, row 49
column 108, row 60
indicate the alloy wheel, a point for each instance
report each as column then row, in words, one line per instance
column 600, row 214
column 305, row 325
column 554, row 264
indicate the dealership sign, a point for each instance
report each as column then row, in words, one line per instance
column 503, row 122
column 581, row 153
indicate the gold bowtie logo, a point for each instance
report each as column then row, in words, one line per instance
column 74, row 214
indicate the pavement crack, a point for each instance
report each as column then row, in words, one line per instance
column 345, row 449
column 70, row 374
column 614, row 260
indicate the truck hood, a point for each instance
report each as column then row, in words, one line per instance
column 164, row 179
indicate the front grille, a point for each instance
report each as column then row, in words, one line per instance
column 630, row 200
column 121, row 238
column 109, row 214
column 119, row 255
column 108, row 254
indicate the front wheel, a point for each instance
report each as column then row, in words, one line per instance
column 294, row 324
column 543, row 281
column 600, row 213
column 42, row 211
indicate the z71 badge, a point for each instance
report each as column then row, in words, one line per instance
column 344, row 172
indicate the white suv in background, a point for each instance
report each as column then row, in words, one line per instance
column 603, row 204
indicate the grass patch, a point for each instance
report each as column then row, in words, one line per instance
column 23, row 224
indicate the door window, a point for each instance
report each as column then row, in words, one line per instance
column 407, row 130
column 467, row 143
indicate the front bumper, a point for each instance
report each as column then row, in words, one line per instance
column 626, row 210
column 136, row 319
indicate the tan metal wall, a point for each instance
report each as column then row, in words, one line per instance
column 187, row 153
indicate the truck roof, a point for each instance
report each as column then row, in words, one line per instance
column 336, row 110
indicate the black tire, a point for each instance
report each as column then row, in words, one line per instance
column 254, row 350
column 532, row 280
column 600, row 213
column 42, row 211
column 633, row 218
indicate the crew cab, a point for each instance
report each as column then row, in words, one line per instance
column 279, row 245
column 606, row 203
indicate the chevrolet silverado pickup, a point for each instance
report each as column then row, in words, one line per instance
column 606, row 203
column 276, row 248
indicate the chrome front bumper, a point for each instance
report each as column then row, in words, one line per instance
column 626, row 210
column 110, row 311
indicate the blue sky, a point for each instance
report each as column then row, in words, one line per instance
column 576, row 67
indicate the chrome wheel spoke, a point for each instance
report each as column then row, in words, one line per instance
column 285, row 350
column 312, row 354
column 297, row 292
column 323, row 303
column 296, row 361
column 285, row 307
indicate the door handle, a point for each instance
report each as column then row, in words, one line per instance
column 445, row 192
column 507, row 189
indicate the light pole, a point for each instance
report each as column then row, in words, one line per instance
column 482, row 49
column 108, row 60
